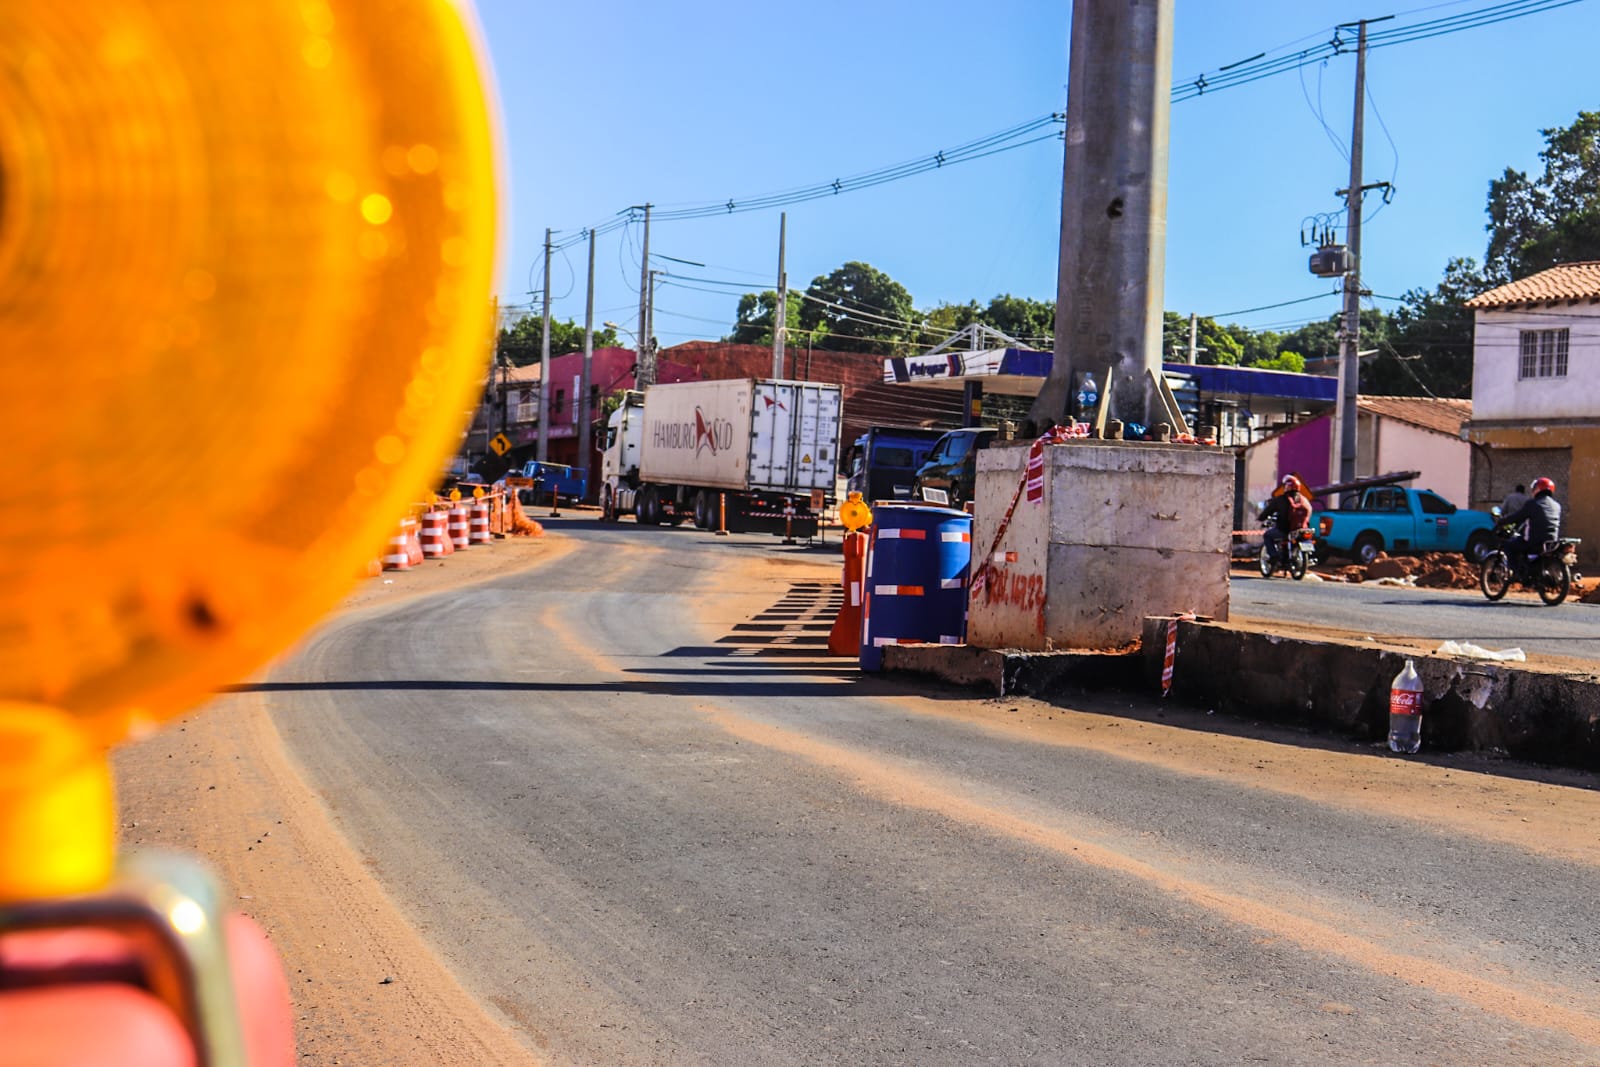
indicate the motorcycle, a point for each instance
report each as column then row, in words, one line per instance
column 1298, row 553
column 1549, row 572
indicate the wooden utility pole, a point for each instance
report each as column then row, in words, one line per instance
column 780, row 314
column 543, row 450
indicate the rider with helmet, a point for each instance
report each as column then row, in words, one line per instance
column 1543, row 516
column 1288, row 511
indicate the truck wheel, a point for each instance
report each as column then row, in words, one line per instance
column 608, row 507
column 1479, row 545
column 1367, row 547
column 649, row 507
column 702, row 510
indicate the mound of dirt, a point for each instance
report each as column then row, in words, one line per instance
column 1434, row 570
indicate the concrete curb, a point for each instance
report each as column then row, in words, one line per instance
column 1328, row 686
column 1009, row 670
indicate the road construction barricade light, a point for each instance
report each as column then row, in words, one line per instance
column 285, row 213
column 854, row 513
column 916, row 579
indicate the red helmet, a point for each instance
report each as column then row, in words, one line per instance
column 1543, row 485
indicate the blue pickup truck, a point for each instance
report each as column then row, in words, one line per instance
column 1396, row 519
column 568, row 483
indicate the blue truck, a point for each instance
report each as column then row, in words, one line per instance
column 1398, row 519
column 568, row 483
column 883, row 461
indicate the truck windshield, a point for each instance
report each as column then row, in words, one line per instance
column 892, row 456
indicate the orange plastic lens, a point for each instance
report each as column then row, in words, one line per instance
column 233, row 349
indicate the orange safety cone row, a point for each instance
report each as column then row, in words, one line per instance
column 845, row 637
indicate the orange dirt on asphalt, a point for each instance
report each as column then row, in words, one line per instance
column 367, row 989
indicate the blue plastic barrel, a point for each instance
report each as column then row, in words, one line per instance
column 916, row 579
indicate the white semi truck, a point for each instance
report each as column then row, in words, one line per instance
column 759, row 455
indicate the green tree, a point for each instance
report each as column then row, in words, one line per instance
column 942, row 320
column 1259, row 349
column 1285, row 360
column 1536, row 224
column 1430, row 349
column 1217, row 345
column 523, row 341
column 754, row 320
column 1026, row 319
column 859, row 307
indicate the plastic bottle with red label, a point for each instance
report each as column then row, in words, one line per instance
column 1405, row 711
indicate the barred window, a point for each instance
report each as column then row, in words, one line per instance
column 1544, row 354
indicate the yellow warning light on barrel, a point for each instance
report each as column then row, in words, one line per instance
column 854, row 513
column 246, row 252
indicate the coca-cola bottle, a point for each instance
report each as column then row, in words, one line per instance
column 1405, row 711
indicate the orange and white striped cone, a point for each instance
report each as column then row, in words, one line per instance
column 478, row 525
column 844, row 639
column 397, row 556
column 460, row 527
column 435, row 537
column 413, row 545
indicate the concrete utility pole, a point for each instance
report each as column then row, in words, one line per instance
column 780, row 314
column 645, row 375
column 544, row 362
column 650, row 324
column 1113, row 207
column 1349, row 358
column 581, row 401
column 1194, row 328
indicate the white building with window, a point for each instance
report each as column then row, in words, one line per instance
column 1536, row 393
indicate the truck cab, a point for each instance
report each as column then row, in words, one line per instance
column 885, row 459
column 619, row 460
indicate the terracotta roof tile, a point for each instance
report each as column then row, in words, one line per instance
column 1441, row 416
column 1569, row 281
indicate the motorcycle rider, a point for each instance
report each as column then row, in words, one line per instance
column 1543, row 517
column 1288, row 511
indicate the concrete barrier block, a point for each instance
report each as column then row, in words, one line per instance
column 1122, row 531
column 1343, row 687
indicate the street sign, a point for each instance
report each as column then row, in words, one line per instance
column 500, row 444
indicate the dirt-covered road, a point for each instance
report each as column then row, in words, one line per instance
column 613, row 806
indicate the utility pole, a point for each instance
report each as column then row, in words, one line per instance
column 1194, row 326
column 1113, row 208
column 544, row 362
column 1349, row 357
column 780, row 314
column 581, row 401
column 650, row 325
column 644, row 375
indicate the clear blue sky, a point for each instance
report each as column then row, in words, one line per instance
column 608, row 103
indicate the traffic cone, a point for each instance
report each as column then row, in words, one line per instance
column 845, row 637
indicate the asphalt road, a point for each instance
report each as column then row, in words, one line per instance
column 1519, row 621
column 648, row 833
